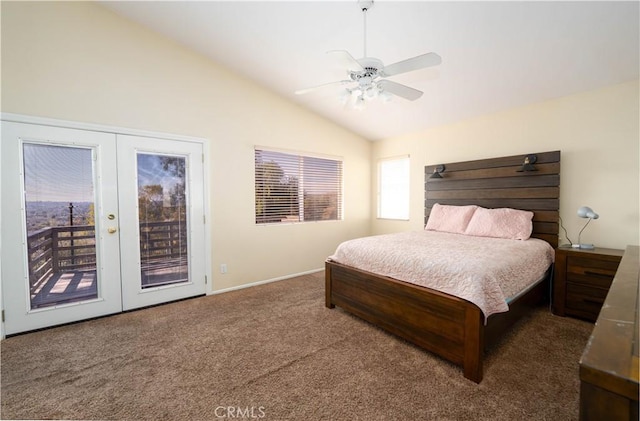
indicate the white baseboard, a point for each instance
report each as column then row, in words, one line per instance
column 266, row 281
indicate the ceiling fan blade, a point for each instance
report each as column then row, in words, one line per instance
column 324, row 85
column 400, row 90
column 346, row 60
column 411, row 64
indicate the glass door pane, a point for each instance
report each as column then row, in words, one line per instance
column 60, row 222
column 162, row 226
column 162, row 215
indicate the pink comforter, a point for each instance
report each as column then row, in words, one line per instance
column 484, row 271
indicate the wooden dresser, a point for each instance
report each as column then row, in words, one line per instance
column 609, row 365
column 582, row 279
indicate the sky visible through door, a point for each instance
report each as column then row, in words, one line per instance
column 60, row 223
column 162, row 216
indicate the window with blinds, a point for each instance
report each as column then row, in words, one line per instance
column 296, row 188
column 393, row 188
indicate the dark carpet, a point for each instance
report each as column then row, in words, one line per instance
column 274, row 352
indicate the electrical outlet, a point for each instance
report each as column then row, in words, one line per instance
column 223, row 268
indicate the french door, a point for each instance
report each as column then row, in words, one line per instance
column 160, row 191
column 96, row 223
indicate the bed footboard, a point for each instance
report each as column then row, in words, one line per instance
column 440, row 323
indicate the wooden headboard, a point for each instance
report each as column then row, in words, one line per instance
column 496, row 183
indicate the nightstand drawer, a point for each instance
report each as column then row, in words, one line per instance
column 584, row 301
column 591, row 264
column 592, row 272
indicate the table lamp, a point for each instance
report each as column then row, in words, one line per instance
column 585, row 212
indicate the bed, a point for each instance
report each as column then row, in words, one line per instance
column 451, row 327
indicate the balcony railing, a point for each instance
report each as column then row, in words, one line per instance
column 53, row 250
column 163, row 240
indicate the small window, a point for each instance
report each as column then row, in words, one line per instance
column 297, row 188
column 393, row 188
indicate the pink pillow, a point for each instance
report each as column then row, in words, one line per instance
column 448, row 218
column 501, row 223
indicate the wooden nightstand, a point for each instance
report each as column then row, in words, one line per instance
column 582, row 279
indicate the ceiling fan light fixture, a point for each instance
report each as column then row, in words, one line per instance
column 366, row 76
column 365, row 83
column 385, row 96
column 345, row 96
column 371, row 92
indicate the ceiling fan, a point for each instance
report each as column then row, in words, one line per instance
column 367, row 76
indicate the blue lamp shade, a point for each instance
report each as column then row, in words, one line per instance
column 586, row 212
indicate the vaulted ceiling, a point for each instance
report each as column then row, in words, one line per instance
column 495, row 55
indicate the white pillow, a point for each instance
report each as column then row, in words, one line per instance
column 501, row 223
column 447, row 218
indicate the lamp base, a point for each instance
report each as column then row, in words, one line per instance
column 583, row 246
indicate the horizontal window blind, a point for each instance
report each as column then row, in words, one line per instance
column 296, row 188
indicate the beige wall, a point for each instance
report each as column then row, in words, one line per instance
column 80, row 62
column 597, row 132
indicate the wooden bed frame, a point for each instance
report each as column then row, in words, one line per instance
column 445, row 325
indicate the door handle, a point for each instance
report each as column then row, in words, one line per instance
column 111, row 230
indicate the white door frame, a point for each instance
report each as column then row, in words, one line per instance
column 19, row 118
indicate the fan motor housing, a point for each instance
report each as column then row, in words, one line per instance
column 371, row 67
